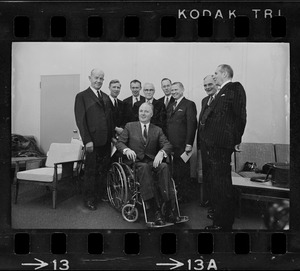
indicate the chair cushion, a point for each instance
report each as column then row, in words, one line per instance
column 39, row 174
column 63, row 152
column 282, row 152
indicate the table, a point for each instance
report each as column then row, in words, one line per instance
column 258, row 191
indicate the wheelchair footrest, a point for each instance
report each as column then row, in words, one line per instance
column 152, row 225
column 183, row 219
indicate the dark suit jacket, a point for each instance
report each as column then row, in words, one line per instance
column 225, row 121
column 172, row 100
column 159, row 117
column 182, row 125
column 95, row 123
column 118, row 113
column 129, row 111
column 132, row 138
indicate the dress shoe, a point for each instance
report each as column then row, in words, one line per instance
column 210, row 211
column 172, row 218
column 210, row 216
column 213, row 228
column 158, row 219
column 90, row 205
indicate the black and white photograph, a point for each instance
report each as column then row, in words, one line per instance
column 144, row 135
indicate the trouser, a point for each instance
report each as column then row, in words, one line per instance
column 206, row 174
column 96, row 167
column 222, row 188
column 154, row 182
column 181, row 175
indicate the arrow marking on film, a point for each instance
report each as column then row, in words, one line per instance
column 175, row 264
column 39, row 265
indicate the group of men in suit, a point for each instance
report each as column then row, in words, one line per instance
column 147, row 130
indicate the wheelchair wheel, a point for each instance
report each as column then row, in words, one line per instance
column 130, row 213
column 117, row 186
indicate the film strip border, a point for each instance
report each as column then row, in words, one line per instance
column 134, row 243
column 125, row 250
column 96, row 26
column 136, row 21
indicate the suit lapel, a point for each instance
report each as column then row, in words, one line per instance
column 96, row 99
column 92, row 95
column 139, row 130
column 204, row 105
column 217, row 98
column 177, row 107
column 150, row 133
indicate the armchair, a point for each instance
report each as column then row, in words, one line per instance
column 64, row 161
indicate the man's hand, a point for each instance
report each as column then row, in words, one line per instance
column 158, row 159
column 119, row 130
column 114, row 140
column 188, row 148
column 89, row 147
column 131, row 155
column 237, row 148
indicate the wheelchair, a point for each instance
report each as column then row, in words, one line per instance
column 123, row 194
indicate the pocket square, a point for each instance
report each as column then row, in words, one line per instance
column 222, row 95
column 180, row 109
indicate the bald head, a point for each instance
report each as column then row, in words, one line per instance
column 210, row 85
column 96, row 78
column 145, row 112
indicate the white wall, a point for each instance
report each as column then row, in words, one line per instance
column 262, row 68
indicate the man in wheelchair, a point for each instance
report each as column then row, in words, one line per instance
column 147, row 146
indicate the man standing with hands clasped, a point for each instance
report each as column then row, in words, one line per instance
column 221, row 128
column 181, row 129
column 94, row 119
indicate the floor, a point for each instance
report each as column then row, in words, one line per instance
column 34, row 211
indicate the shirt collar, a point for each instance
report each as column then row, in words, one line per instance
column 179, row 100
column 112, row 99
column 138, row 97
column 147, row 126
column 149, row 101
column 168, row 97
column 229, row 80
column 95, row 91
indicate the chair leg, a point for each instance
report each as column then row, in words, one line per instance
column 16, row 191
column 54, row 192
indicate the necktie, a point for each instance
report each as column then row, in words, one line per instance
column 116, row 103
column 167, row 102
column 145, row 134
column 174, row 106
column 211, row 98
column 136, row 100
column 100, row 99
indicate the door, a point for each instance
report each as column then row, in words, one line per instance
column 57, row 108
